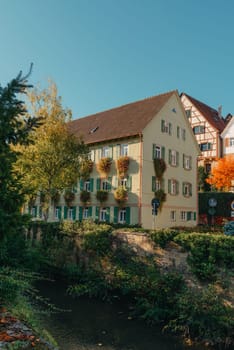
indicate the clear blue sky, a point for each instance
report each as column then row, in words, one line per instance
column 105, row 53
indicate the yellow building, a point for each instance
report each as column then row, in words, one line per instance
column 127, row 144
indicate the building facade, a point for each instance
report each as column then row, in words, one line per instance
column 147, row 135
column 207, row 125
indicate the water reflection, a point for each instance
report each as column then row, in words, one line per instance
column 93, row 324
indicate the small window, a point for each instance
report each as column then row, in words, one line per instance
column 124, row 150
column 92, row 155
column 199, row 129
column 70, row 213
column 173, row 215
column 173, row 157
column 158, row 151
column 57, row 213
column 207, row 168
column 187, row 162
column 183, row 216
column 106, row 152
column 103, row 214
column 188, row 113
column 87, row 186
column 85, row 213
column 231, row 141
column 207, row 146
column 187, row 189
column 34, row 212
column 173, row 187
column 122, row 216
column 166, row 127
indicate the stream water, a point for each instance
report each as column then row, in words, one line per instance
column 91, row 324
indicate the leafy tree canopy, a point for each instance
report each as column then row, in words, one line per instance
column 52, row 163
column 222, row 174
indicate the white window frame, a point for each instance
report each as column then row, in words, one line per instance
column 70, row 213
column 106, row 152
column 87, row 185
column 173, row 157
column 123, row 182
column 92, row 155
column 158, row 184
column 186, row 189
column 157, row 152
column 85, row 213
column 124, row 149
column 187, row 162
column 183, row 215
column 173, row 215
column 231, row 142
column 122, row 216
column 102, row 214
column 173, row 188
column 104, row 185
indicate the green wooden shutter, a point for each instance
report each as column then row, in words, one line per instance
column 169, row 156
column 97, row 213
column 98, row 184
column 129, row 183
column 90, row 210
column 178, row 131
column 65, row 212
column 190, row 189
column 74, row 213
column 107, row 214
column 80, row 213
column 177, row 158
column 109, row 184
column 153, row 151
column 177, row 187
column 163, row 152
column 91, row 185
column 81, row 184
column 190, row 162
column 194, row 216
column 183, row 160
column 169, row 186
column 153, row 183
column 162, row 125
column 116, row 214
column 170, row 128
column 128, row 217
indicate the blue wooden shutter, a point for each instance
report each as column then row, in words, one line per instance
column 128, row 218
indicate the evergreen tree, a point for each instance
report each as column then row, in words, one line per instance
column 15, row 129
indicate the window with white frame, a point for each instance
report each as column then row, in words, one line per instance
column 158, row 184
column 124, row 149
column 106, row 152
column 183, row 215
column 173, row 186
column 122, row 216
column 173, row 157
column 123, row 182
column 187, row 162
column 173, row 215
column 85, row 213
column 92, row 155
column 187, row 189
column 232, row 142
column 105, row 185
column 87, row 186
column 158, row 151
column 70, row 213
column 103, row 214
column 33, row 212
column 166, row 127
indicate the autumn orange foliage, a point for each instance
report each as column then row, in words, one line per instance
column 222, row 174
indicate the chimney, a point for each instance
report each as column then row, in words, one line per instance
column 220, row 112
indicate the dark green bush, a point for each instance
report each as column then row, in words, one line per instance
column 162, row 237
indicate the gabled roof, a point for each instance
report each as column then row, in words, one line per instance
column 211, row 114
column 124, row 121
column 228, row 125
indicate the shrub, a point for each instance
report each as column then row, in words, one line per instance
column 162, row 237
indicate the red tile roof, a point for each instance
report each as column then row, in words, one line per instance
column 211, row 115
column 124, row 121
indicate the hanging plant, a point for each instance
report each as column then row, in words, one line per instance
column 121, row 195
column 86, row 168
column 122, row 166
column 85, row 196
column 159, row 167
column 161, row 196
column 69, row 197
column 102, row 196
column 104, row 166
